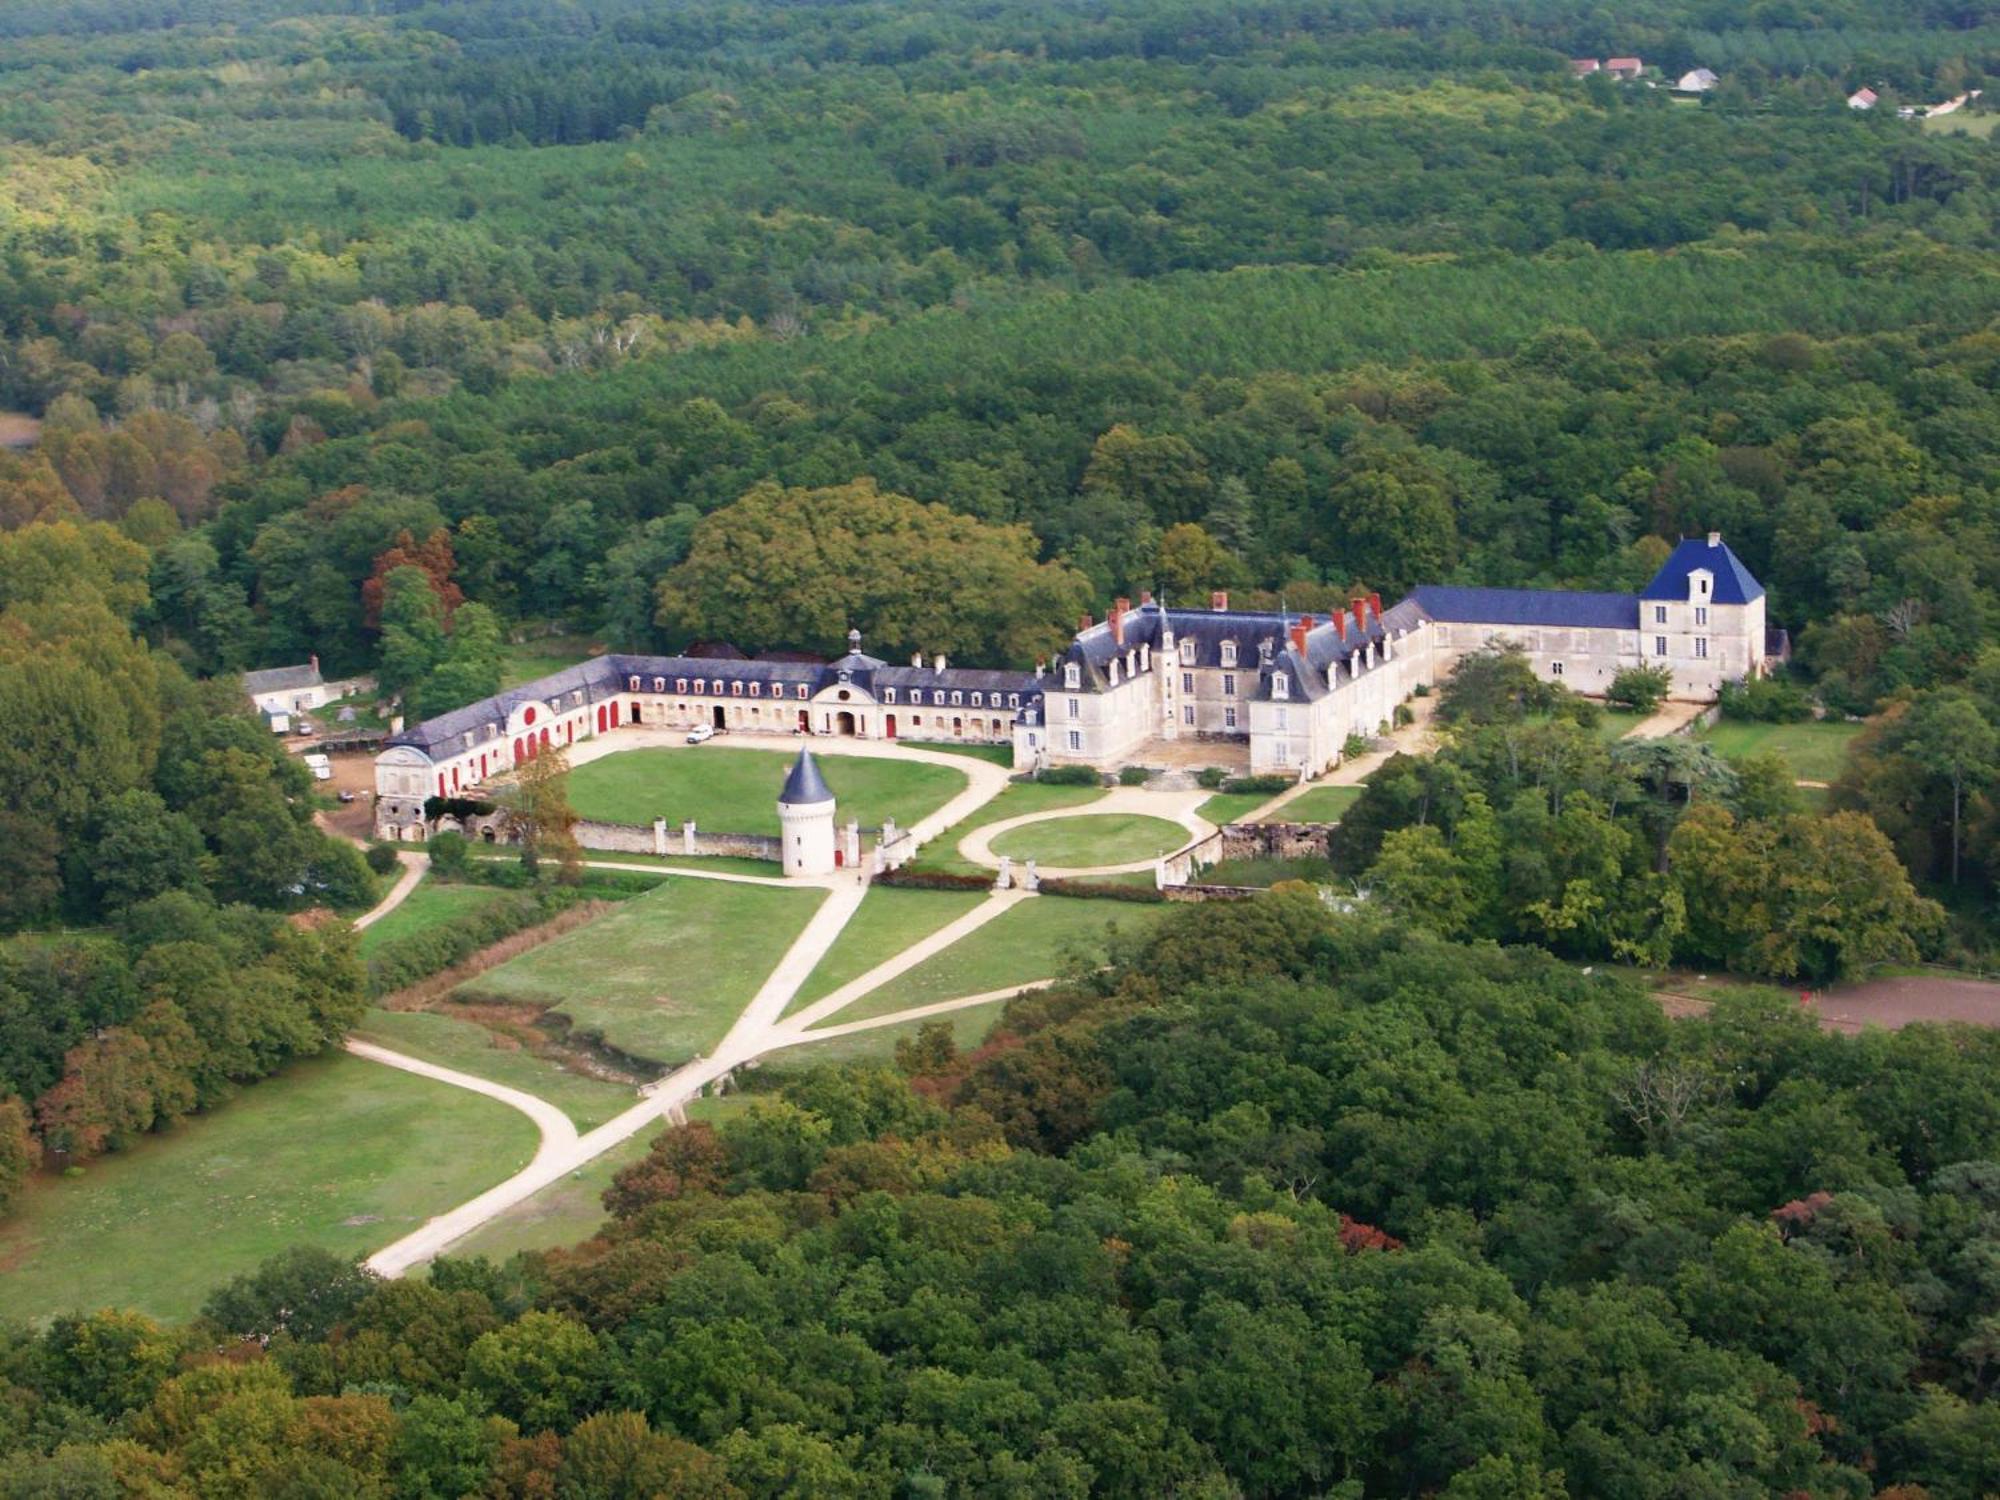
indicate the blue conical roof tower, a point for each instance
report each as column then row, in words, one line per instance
column 805, row 786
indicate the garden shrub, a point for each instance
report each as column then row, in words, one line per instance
column 1767, row 700
column 1134, row 776
column 1211, row 777
column 1067, row 776
column 1268, row 784
column 381, row 858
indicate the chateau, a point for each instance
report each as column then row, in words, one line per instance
column 1293, row 687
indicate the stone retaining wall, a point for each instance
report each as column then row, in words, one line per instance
column 1276, row 840
column 665, row 838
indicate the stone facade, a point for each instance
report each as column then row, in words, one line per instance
column 1292, row 687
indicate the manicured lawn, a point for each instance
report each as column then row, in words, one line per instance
column 1092, row 839
column 1267, row 872
column 1032, row 941
column 878, row 1044
column 1000, row 755
column 1018, row 800
column 1231, row 807
column 335, row 1151
column 566, row 1212
column 664, row 975
column 453, row 1042
column 1619, row 722
column 542, row 658
column 1323, row 804
column 727, row 790
column 1816, row 749
column 888, row 921
column 434, row 903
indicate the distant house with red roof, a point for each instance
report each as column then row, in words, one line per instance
column 1583, row 67
column 1624, row 67
column 1862, row 99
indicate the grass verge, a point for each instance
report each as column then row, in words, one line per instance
column 336, row 1152
column 888, row 921
column 736, row 791
column 1091, row 839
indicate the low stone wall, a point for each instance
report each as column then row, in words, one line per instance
column 684, row 839
column 1193, row 893
column 1275, row 840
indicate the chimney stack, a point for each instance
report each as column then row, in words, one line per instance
column 1375, row 607
column 1714, row 540
column 1040, row 668
column 1145, row 597
column 1339, row 623
column 1118, row 609
column 1219, row 600
column 937, row 662
column 314, row 658
column 917, row 659
column 1360, row 608
column 1083, row 622
column 1299, row 628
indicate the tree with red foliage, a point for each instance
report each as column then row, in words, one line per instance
column 433, row 556
column 686, row 1159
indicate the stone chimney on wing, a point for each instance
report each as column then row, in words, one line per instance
column 1118, row 609
column 1219, row 600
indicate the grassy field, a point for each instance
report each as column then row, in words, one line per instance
column 1030, row 942
column 433, row 903
column 878, row 1044
column 335, row 1152
column 889, row 921
column 1231, row 807
column 1619, row 722
column 719, row 864
column 1323, row 804
column 453, row 1042
column 663, row 976
column 1092, row 839
column 1017, row 800
column 736, row 791
column 1268, row 871
column 543, row 657
column 1961, row 123
column 570, row 1210
column 999, row 755
column 1816, row 749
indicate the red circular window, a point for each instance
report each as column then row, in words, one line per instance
column 528, row 717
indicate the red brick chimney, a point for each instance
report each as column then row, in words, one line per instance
column 1360, row 608
column 313, row 660
column 1375, row 607
column 1308, row 621
column 1083, row 622
column 1339, row 623
column 1299, row 629
column 1118, row 608
column 1219, row 600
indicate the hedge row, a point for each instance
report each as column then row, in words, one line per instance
column 1099, row 890
column 933, row 880
column 1264, row 786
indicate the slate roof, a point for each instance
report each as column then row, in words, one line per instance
column 1733, row 583
column 805, row 786
column 1560, row 607
column 281, row 679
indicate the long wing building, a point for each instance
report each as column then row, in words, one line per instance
column 1293, row 686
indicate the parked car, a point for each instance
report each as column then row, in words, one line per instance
column 701, row 732
column 345, row 796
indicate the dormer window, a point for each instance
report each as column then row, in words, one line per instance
column 635, row 684
column 888, row 695
column 1187, row 653
column 756, row 689
column 1229, row 653
column 1281, row 685
column 1072, row 675
column 659, row 684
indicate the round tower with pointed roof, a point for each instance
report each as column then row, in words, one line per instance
column 805, row 819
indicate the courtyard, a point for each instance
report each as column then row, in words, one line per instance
column 730, row 789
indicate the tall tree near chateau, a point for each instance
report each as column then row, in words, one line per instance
column 797, row 567
column 538, row 817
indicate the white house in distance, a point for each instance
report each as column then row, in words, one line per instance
column 1863, row 99
column 1290, row 687
column 297, row 690
column 1698, row 81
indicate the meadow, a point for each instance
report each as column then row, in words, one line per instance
column 888, row 921
column 455, row 1041
column 336, row 1152
column 1816, row 749
column 663, row 977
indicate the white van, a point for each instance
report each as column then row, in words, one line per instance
column 319, row 765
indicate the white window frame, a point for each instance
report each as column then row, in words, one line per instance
column 1072, row 675
column 1075, row 708
column 1701, row 647
column 1076, row 739
column 1229, row 653
column 1281, row 685
column 1659, row 645
column 1659, row 614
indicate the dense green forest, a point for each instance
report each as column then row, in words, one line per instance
column 1285, row 1205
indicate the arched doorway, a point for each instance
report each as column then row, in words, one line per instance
column 844, row 722
column 600, row 718
column 958, row 726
